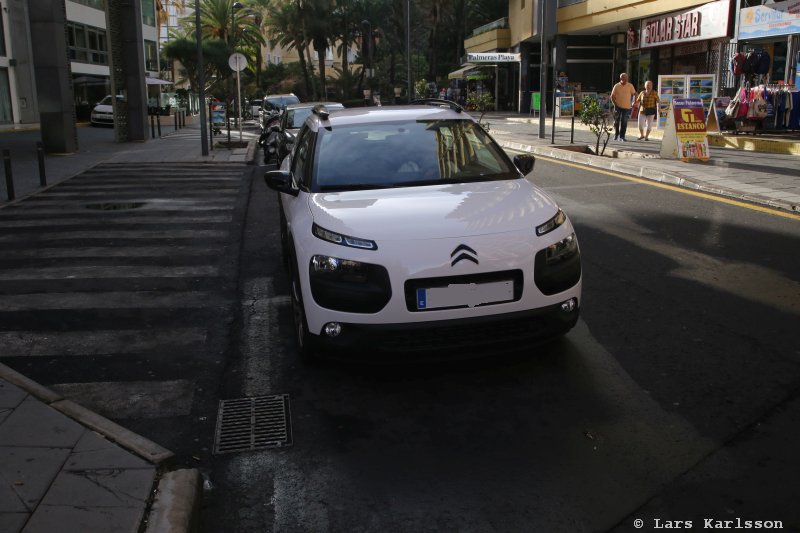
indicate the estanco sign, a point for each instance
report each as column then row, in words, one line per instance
column 708, row 21
column 492, row 57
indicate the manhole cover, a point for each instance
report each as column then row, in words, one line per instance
column 115, row 206
column 245, row 424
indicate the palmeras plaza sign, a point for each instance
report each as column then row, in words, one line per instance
column 492, row 57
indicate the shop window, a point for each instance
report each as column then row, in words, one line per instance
column 5, row 98
column 2, row 36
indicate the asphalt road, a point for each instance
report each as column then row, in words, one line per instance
column 675, row 397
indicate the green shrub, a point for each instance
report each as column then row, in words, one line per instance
column 593, row 115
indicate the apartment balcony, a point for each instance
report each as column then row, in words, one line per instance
column 489, row 37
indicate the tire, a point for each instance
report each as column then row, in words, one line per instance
column 284, row 231
column 303, row 339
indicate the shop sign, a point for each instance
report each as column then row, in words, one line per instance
column 492, row 57
column 685, row 135
column 709, row 21
column 782, row 18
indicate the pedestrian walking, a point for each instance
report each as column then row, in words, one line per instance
column 622, row 96
column 648, row 110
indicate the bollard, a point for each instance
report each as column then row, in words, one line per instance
column 572, row 132
column 183, row 118
column 40, row 157
column 152, row 126
column 211, row 127
column 158, row 124
column 9, row 177
column 175, row 120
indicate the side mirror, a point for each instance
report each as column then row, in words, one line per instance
column 281, row 181
column 275, row 127
column 524, row 163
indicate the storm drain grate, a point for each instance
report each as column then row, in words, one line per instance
column 115, row 206
column 245, row 424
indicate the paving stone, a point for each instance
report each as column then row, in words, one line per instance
column 13, row 522
column 10, row 395
column 30, row 471
column 38, row 425
column 68, row 519
column 10, row 501
column 96, row 453
column 101, row 488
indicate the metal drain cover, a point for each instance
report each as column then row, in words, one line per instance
column 245, row 424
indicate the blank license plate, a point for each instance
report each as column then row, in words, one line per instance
column 465, row 294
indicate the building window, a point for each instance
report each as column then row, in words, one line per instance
column 97, row 4
column 149, row 13
column 87, row 44
column 150, row 56
column 5, row 98
column 2, row 36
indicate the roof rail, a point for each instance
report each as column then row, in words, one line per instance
column 321, row 111
column 439, row 102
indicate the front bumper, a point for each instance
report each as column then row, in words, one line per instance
column 451, row 339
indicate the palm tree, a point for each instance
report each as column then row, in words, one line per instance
column 285, row 28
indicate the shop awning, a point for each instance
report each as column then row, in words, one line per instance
column 460, row 73
column 155, row 81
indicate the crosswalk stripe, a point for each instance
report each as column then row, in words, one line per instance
column 104, row 342
column 111, row 300
column 99, row 272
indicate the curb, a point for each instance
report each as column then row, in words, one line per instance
column 649, row 173
column 176, row 505
column 144, row 448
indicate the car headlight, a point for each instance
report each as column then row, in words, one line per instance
column 344, row 240
column 562, row 250
column 343, row 269
column 551, row 224
column 350, row 286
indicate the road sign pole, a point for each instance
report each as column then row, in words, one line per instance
column 239, row 93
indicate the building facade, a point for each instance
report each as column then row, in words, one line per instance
column 87, row 57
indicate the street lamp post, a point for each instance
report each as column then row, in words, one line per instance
column 235, row 7
column 368, row 34
column 408, row 49
column 201, row 81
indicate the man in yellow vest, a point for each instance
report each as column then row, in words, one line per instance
column 622, row 96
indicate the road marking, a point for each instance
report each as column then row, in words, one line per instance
column 708, row 196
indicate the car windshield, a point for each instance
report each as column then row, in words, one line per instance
column 390, row 154
column 296, row 117
column 280, row 102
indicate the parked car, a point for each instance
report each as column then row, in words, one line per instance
column 103, row 112
column 407, row 229
column 280, row 137
column 254, row 106
column 274, row 104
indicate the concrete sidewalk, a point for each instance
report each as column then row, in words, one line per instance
column 768, row 179
column 64, row 468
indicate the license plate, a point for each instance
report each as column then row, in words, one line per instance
column 465, row 295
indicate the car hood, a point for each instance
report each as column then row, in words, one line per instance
column 435, row 211
column 103, row 109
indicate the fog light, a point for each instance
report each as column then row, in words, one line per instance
column 332, row 329
column 569, row 305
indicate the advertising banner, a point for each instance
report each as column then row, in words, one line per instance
column 768, row 20
column 685, row 134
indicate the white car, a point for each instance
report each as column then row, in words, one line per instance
column 408, row 229
column 103, row 112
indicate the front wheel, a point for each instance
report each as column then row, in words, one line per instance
column 303, row 339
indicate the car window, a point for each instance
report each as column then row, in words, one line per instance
column 302, row 154
column 374, row 155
